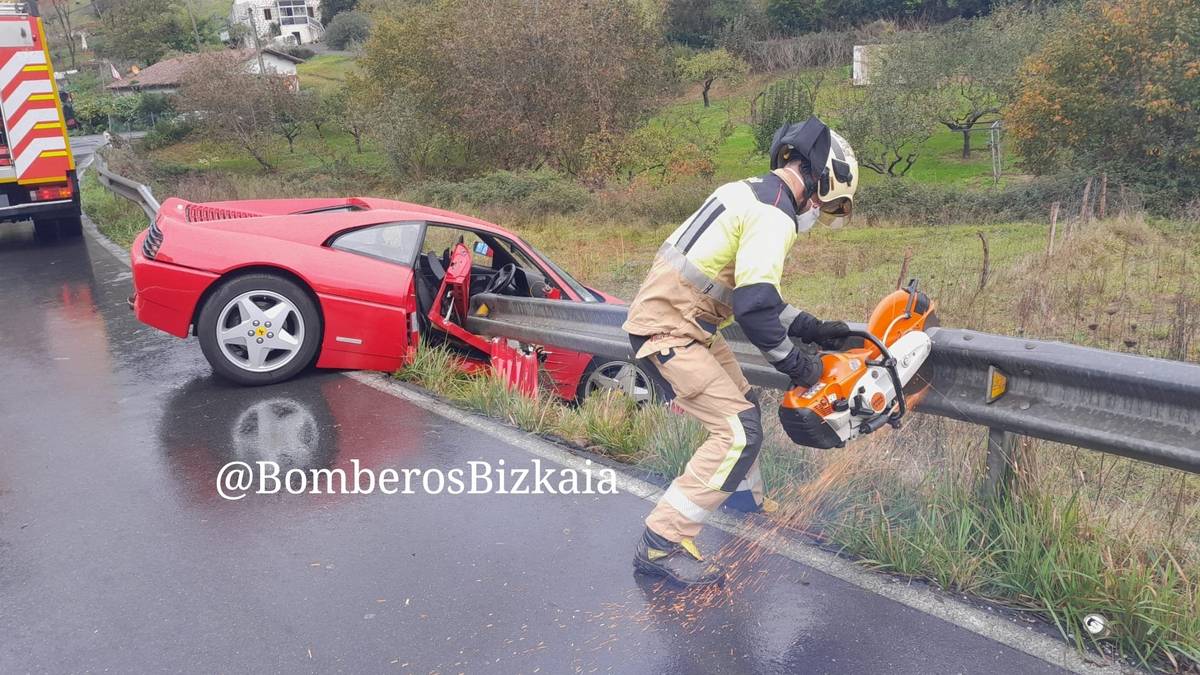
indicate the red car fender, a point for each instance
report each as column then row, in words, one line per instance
column 566, row 368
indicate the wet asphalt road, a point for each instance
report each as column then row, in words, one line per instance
column 117, row 555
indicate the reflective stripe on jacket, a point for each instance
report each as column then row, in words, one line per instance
column 724, row 261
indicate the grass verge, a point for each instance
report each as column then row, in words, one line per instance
column 116, row 217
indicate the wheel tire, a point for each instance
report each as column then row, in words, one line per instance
column 601, row 368
column 70, row 227
column 46, row 229
column 297, row 312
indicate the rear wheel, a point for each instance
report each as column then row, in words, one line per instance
column 52, row 229
column 45, row 229
column 259, row 329
column 70, row 227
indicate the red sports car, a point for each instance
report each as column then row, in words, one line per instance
column 272, row 286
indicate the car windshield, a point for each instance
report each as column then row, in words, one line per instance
column 584, row 293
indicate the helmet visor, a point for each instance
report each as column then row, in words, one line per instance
column 840, row 207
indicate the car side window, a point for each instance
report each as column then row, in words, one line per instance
column 440, row 238
column 394, row 242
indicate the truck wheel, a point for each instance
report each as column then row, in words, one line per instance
column 259, row 329
column 45, row 229
column 70, row 227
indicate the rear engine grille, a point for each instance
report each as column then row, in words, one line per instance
column 197, row 213
column 153, row 240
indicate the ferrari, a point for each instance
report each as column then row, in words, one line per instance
column 271, row 287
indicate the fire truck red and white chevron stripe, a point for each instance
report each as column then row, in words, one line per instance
column 35, row 130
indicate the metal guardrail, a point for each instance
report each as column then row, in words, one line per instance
column 132, row 190
column 1135, row 406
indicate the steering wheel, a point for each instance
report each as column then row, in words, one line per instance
column 503, row 279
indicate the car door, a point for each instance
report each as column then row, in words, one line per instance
column 368, row 318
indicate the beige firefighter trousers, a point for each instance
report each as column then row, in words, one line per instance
column 709, row 385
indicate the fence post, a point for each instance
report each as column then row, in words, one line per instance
column 1053, row 227
column 1103, row 195
column 1001, row 446
column 1085, row 211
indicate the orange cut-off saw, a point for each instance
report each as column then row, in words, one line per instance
column 863, row 388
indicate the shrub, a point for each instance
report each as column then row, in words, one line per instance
column 904, row 200
column 168, row 131
column 299, row 52
column 348, row 28
column 670, row 202
column 534, row 191
column 1117, row 89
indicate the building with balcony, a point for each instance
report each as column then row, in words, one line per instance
column 280, row 21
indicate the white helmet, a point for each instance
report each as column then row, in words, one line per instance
column 837, row 183
column 816, row 145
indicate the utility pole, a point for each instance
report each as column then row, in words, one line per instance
column 262, row 68
column 187, row 4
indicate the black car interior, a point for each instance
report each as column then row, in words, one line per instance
column 506, row 276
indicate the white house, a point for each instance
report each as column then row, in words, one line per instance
column 165, row 76
column 284, row 21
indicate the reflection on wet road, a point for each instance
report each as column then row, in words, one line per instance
column 116, row 553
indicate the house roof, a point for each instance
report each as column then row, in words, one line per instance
column 170, row 72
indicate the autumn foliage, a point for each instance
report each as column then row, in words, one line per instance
column 1117, row 89
column 518, row 83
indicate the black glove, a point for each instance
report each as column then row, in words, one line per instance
column 803, row 367
column 811, row 329
column 833, row 336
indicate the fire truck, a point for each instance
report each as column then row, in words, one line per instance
column 37, row 171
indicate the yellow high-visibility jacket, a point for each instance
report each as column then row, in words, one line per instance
column 723, row 263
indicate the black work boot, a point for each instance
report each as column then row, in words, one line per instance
column 680, row 563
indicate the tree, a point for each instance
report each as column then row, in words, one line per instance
column 697, row 23
column 331, row 8
column 408, row 137
column 843, row 14
column 232, row 104
column 352, row 108
column 795, row 16
column 969, row 67
column 348, row 28
column 707, row 67
column 292, row 110
column 144, row 30
column 790, row 100
column 320, row 112
column 61, row 20
column 886, row 125
column 1117, row 88
column 524, row 91
column 672, row 146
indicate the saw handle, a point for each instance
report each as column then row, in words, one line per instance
column 874, row 424
column 888, row 363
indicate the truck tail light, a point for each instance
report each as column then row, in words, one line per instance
column 5, row 156
column 50, row 192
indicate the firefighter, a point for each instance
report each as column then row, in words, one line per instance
column 724, row 264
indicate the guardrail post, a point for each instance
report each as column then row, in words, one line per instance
column 1001, row 446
